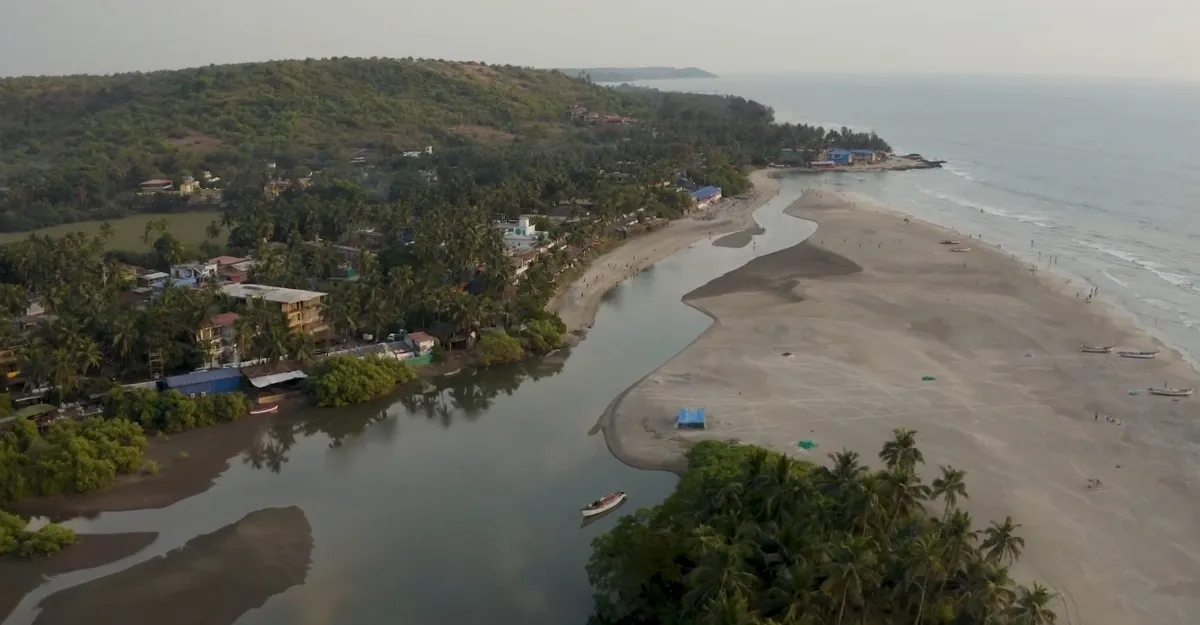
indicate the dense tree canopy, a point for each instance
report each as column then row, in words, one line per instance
column 751, row 536
column 345, row 380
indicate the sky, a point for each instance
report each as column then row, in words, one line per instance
column 1110, row 38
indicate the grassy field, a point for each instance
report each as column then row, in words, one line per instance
column 189, row 228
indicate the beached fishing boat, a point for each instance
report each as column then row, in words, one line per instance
column 1172, row 392
column 1144, row 355
column 604, row 504
column 960, row 249
column 265, row 409
column 951, row 242
column 449, row 374
column 1096, row 349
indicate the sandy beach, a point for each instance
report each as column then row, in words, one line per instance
column 577, row 304
column 829, row 340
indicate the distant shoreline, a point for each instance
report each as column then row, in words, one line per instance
column 895, row 163
column 626, row 74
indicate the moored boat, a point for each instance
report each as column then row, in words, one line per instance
column 1172, row 392
column 604, row 504
column 960, row 249
column 1142, row 354
column 265, row 409
column 951, row 242
column 1096, row 349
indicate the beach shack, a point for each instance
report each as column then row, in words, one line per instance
column 692, row 418
column 706, row 196
column 840, row 156
column 421, row 342
column 206, row 382
column 863, row 156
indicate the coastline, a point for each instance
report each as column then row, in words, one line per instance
column 578, row 302
column 869, row 305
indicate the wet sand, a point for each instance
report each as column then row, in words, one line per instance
column 20, row 576
column 578, row 303
column 869, row 305
column 212, row 580
column 209, row 451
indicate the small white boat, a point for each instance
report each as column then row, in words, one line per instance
column 1096, row 349
column 960, row 249
column 265, row 409
column 951, row 242
column 450, row 374
column 604, row 504
column 1144, row 355
column 1172, row 392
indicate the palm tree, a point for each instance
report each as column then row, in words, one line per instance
column 988, row 591
column 950, row 486
column 849, row 572
column 923, row 561
column 906, row 492
column 958, row 536
column 901, row 452
column 1032, row 606
column 1001, row 543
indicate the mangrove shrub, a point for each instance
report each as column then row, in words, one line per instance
column 345, row 380
column 171, row 411
column 497, row 348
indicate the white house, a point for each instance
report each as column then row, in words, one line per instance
column 521, row 234
column 419, row 153
column 194, row 271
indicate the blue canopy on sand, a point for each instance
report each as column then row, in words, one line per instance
column 690, row 418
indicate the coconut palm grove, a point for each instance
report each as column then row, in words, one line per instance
column 754, row 537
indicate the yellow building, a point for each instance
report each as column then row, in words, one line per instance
column 304, row 309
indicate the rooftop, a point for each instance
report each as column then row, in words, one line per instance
column 224, row 320
column 705, row 193
column 226, row 260
column 201, row 377
column 270, row 293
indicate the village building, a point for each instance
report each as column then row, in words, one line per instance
column 157, row 185
column 706, row 196
column 428, row 151
column 304, row 309
column 193, row 273
column 275, row 187
column 521, row 234
column 218, row 338
column 188, row 186
column 208, row 382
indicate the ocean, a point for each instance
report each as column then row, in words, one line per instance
column 1103, row 175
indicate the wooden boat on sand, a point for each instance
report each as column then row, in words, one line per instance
column 265, row 409
column 604, row 504
column 1171, row 392
column 960, row 249
column 1141, row 354
column 951, row 242
column 1096, row 349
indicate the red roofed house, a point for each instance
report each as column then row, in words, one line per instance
column 421, row 342
column 232, row 268
column 157, row 185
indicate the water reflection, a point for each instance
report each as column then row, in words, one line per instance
column 463, row 396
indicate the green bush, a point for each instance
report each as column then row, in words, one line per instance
column 71, row 457
column 171, row 411
column 345, row 380
column 498, row 348
column 543, row 335
column 15, row 539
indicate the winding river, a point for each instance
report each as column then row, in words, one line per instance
column 461, row 507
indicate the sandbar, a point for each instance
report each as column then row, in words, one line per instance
column 212, row 580
column 830, row 341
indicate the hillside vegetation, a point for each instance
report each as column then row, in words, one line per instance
column 71, row 145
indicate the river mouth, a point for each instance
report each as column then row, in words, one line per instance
column 476, row 489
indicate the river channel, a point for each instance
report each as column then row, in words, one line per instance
column 462, row 507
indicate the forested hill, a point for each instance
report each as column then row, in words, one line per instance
column 78, row 141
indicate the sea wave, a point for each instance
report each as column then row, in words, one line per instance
column 1170, row 277
column 1037, row 220
column 961, row 173
column 1121, row 283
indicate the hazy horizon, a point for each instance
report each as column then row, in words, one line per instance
column 1074, row 38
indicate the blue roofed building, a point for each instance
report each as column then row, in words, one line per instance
column 207, row 382
column 863, row 156
column 840, row 156
column 706, row 196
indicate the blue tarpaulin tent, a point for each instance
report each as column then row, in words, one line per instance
column 690, row 418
